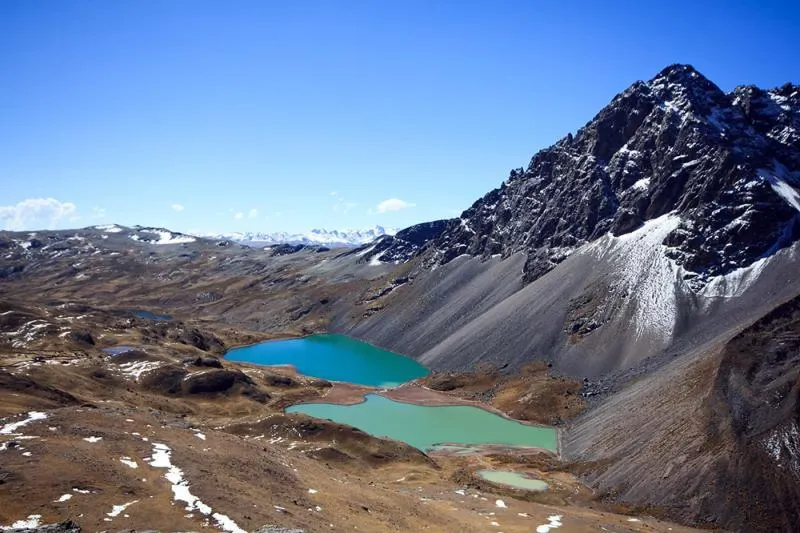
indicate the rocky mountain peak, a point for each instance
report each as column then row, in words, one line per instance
column 727, row 165
column 683, row 90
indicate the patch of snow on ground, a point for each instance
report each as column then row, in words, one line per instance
column 375, row 261
column 554, row 522
column 63, row 498
column 109, row 228
column 501, row 504
column 162, row 458
column 641, row 185
column 164, row 237
column 128, row 461
column 31, row 522
column 200, row 436
column 135, row 369
column 9, row 429
column 93, row 439
column 117, row 509
column 465, row 225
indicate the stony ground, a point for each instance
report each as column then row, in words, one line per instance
column 170, row 436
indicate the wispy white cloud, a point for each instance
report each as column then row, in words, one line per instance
column 177, row 207
column 241, row 215
column 333, row 193
column 36, row 213
column 344, row 207
column 393, row 204
column 98, row 212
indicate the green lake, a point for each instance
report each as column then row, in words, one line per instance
column 425, row 427
column 335, row 358
column 512, row 479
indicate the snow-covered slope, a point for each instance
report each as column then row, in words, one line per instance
column 320, row 237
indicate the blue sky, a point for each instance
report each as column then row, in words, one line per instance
column 262, row 115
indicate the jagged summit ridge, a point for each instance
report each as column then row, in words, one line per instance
column 727, row 165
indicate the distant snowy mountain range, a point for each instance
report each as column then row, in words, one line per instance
column 322, row 237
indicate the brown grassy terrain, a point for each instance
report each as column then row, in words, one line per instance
column 236, row 450
column 533, row 394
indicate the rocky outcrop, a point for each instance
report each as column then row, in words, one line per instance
column 210, row 362
column 727, row 164
column 404, row 245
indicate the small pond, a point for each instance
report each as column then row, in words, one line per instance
column 513, row 479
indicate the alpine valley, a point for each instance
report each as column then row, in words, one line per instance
column 635, row 287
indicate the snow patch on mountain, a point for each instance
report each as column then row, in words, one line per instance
column 644, row 273
column 735, row 283
column 109, row 228
column 779, row 178
column 319, row 237
column 161, row 236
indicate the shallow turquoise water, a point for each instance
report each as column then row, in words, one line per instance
column 512, row 479
column 334, row 357
column 426, row 426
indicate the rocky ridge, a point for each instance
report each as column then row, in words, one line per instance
column 728, row 165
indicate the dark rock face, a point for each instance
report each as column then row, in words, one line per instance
column 727, row 164
column 405, row 244
column 28, row 386
column 210, row 362
column 759, row 385
column 166, row 380
column 83, row 337
column 277, row 380
column 215, row 381
column 286, row 249
column 756, row 405
column 199, row 339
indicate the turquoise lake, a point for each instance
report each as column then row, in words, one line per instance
column 335, row 358
column 425, row 427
